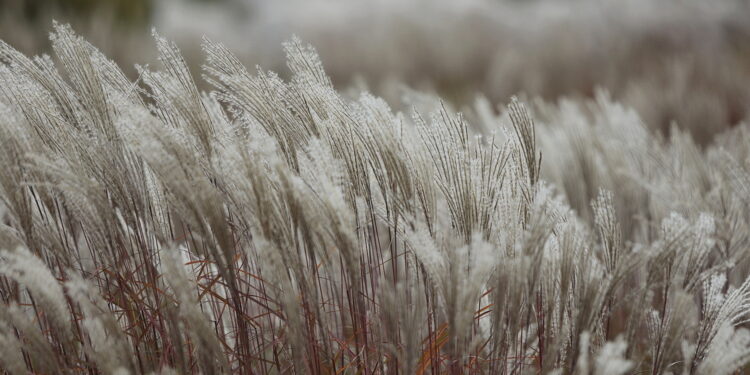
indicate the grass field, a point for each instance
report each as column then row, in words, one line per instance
column 271, row 225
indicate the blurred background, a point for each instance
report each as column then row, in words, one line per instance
column 675, row 61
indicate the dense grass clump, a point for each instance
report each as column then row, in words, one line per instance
column 278, row 226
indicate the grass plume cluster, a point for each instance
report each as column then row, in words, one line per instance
column 276, row 226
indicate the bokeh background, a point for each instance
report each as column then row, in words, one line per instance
column 683, row 62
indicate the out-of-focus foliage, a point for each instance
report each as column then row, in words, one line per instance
column 127, row 11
